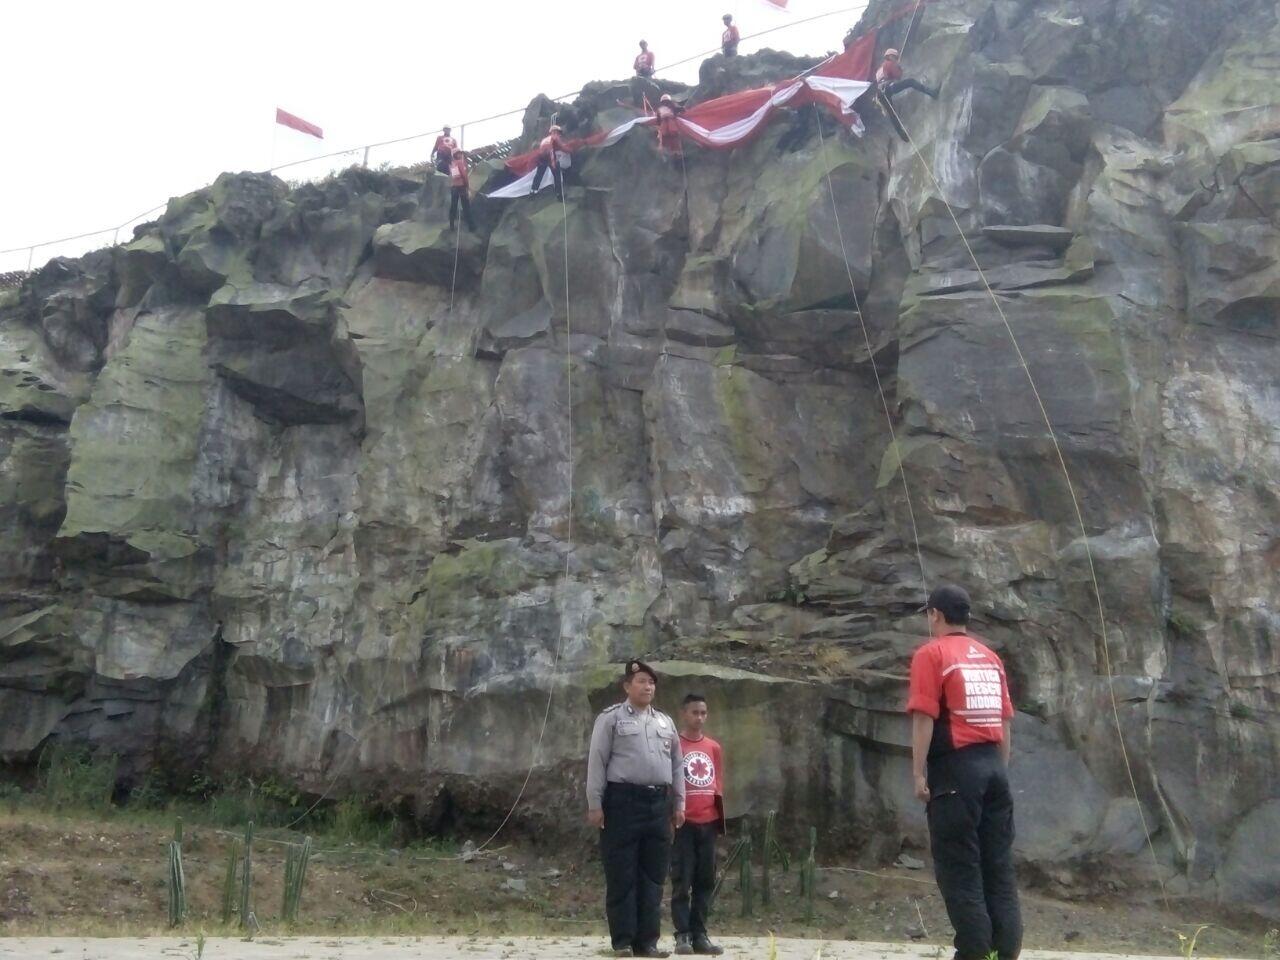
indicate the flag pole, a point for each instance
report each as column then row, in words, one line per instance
column 275, row 135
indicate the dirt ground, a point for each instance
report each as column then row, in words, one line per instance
column 66, row 876
column 441, row 948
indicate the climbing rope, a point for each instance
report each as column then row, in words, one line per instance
column 453, row 284
column 871, row 357
column 555, row 663
column 1105, row 648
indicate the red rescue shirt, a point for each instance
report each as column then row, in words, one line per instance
column 644, row 64
column 889, row 71
column 960, row 682
column 703, row 779
column 458, row 172
column 730, row 35
column 550, row 144
column 445, row 145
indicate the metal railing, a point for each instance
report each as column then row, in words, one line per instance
column 364, row 150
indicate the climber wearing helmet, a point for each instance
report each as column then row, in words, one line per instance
column 549, row 151
column 668, row 129
column 890, row 80
column 729, row 39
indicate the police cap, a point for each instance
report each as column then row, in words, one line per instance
column 638, row 666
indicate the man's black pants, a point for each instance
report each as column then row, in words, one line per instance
column 635, row 846
column 544, row 164
column 442, row 162
column 906, row 83
column 460, row 194
column 971, row 834
column 693, row 877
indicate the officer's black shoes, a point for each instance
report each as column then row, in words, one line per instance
column 705, row 947
column 623, row 952
column 650, row 952
column 684, row 945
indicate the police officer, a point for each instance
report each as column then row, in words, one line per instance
column 961, row 729
column 635, row 796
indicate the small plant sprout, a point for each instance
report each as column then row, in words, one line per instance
column 1187, row 944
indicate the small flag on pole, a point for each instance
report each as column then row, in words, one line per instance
column 297, row 123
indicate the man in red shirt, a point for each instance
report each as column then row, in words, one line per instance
column 644, row 61
column 693, row 853
column 552, row 145
column 668, row 129
column 890, row 79
column 961, row 730
column 461, row 192
column 729, row 39
column 442, row 152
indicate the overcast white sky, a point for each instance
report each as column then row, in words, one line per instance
column 111, row 108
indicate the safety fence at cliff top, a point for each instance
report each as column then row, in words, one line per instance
column 403, row 153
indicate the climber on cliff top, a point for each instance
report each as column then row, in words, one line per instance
column 668, row 129
column 729, row 39
column 549, row 151
column 461, row 192
column 642, row 82
column 442, row 152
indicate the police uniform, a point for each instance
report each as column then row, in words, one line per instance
column 634, row 776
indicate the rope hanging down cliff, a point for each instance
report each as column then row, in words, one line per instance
column 1105, row 646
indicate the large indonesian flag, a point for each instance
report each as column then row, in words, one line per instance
column 734, row 120
column 287, row 119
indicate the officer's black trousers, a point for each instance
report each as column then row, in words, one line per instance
column 460, row 195
column 971, row 834
column 693, row 877
column 635, row 846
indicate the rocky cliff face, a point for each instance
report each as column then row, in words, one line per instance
column 280, row 494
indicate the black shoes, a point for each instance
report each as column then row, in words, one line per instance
column 684, row 946
column 705, row 947
column 649, row 952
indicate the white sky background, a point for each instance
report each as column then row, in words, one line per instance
column 111, row 108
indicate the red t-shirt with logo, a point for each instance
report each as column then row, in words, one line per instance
column 703, row 779
column 960, row 682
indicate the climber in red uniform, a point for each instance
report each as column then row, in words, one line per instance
column 548, row 150
column 961, row 729
column 442, row 152
column 890, row 80
column 644, row 61
column 461, row 192
column 729, row 39
column 668, row 129
column 642, row 83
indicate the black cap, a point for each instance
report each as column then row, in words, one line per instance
column 950, row 601
column 727, row 16
column 638, row 666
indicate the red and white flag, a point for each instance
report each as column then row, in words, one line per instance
column 297, row 123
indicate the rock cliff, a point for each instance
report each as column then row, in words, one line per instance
column 285, row 481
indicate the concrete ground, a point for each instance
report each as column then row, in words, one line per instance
column 446, row 948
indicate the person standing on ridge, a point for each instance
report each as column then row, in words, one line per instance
column 461, row 192
column 961, row 737
column 643, row 80
column 549, row 150
column 635, row 795
column 730, row 38
column 442, row 152
column 644, row 63
column 693, row 854
column 668, row 129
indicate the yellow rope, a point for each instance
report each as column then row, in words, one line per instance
column 1075, row 501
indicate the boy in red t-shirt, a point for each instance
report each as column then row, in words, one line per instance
column 693, row 853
